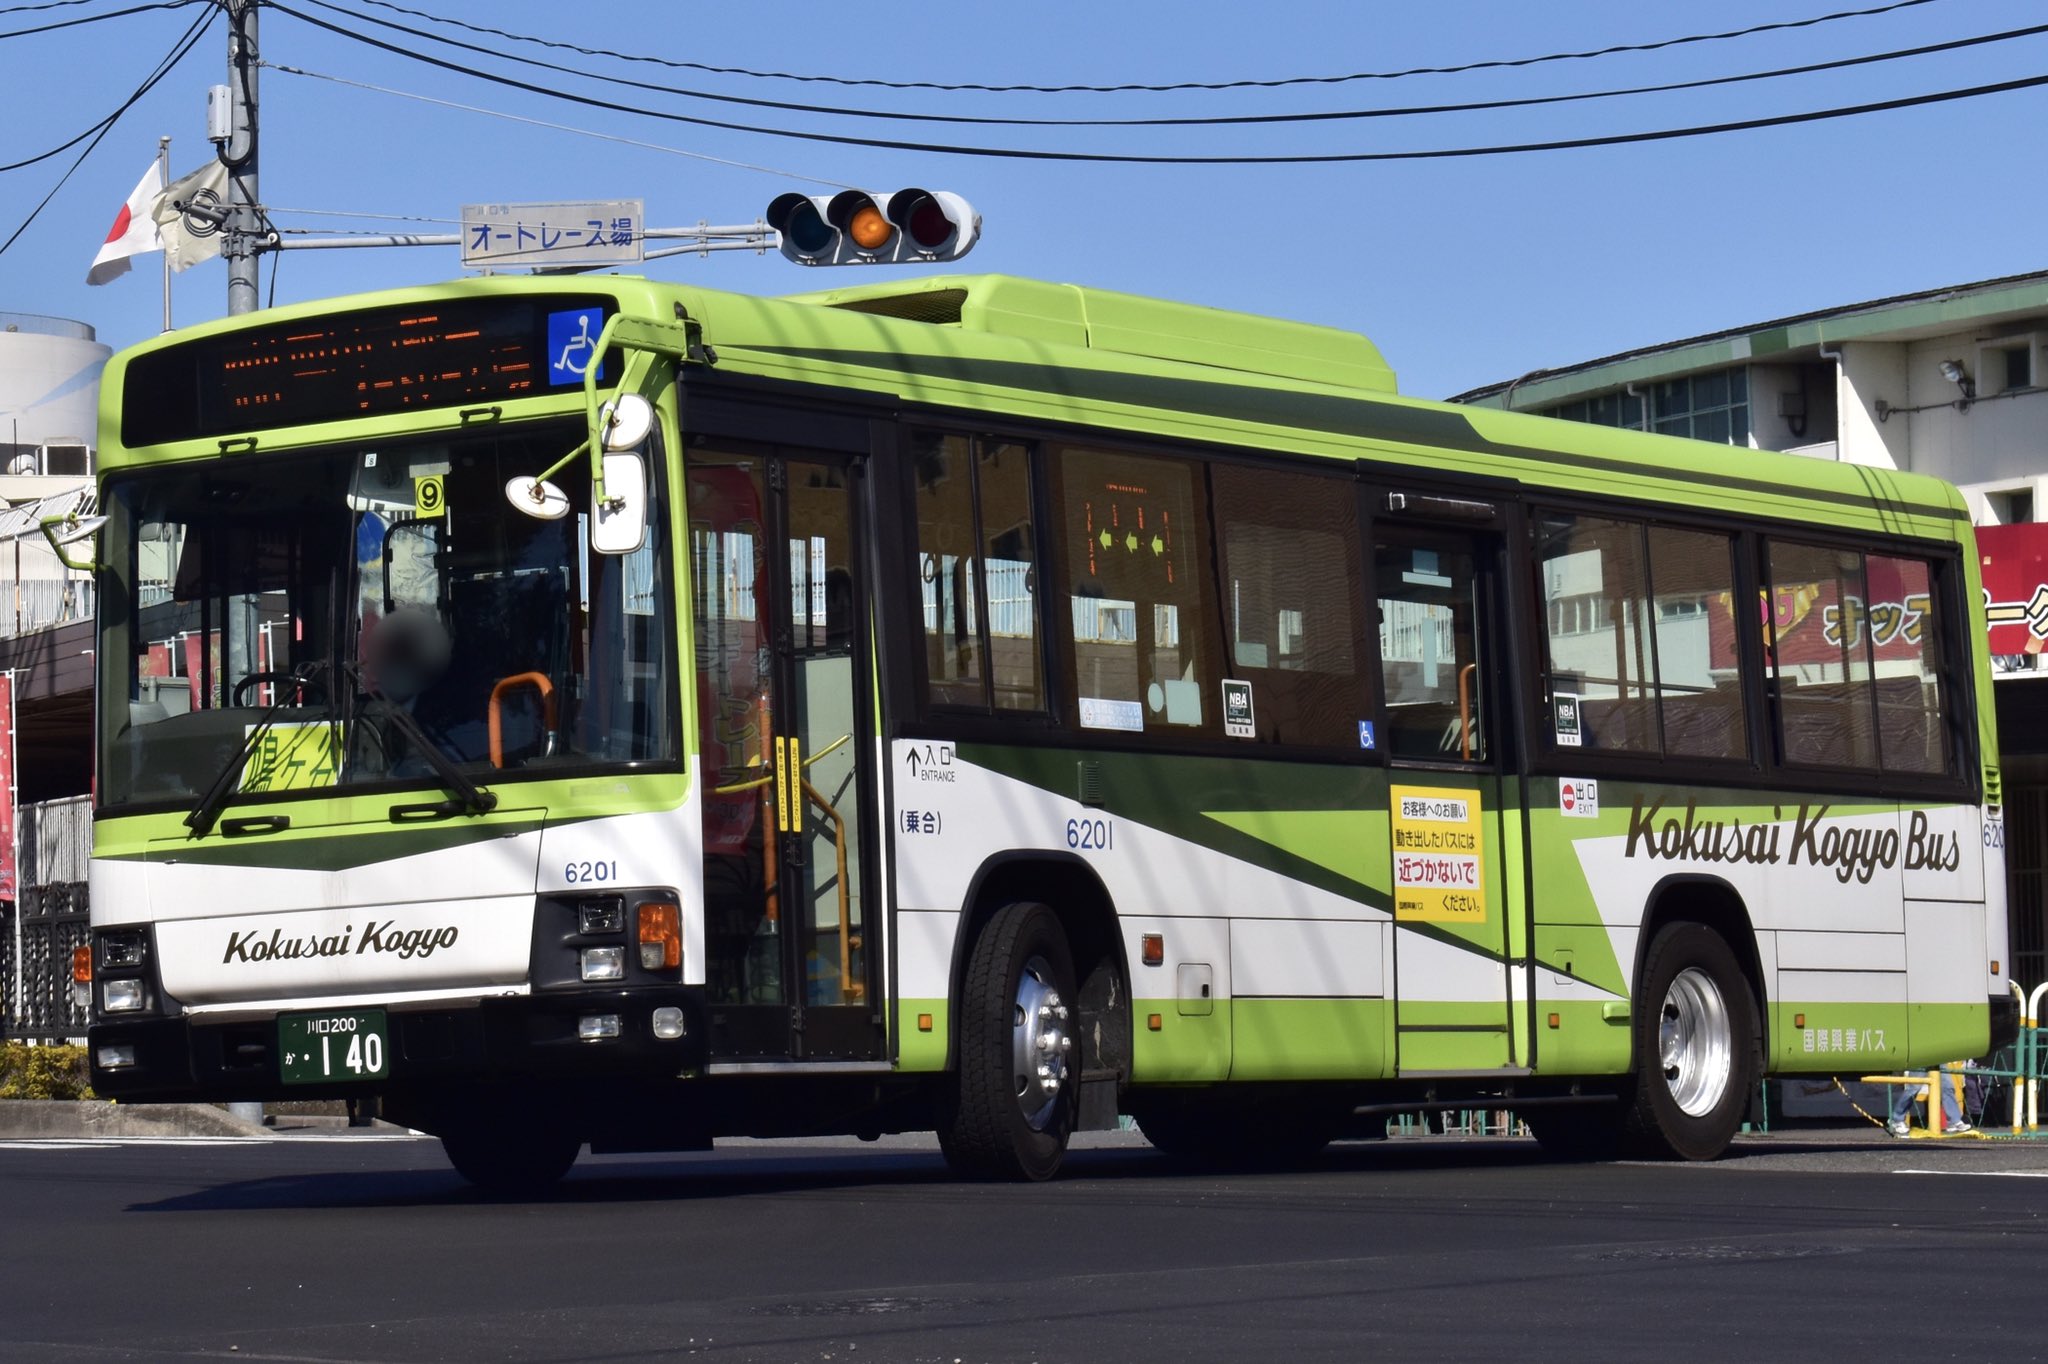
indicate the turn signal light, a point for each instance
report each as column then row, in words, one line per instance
column 661, row 936
column 81, row 964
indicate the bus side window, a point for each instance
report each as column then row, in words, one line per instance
column 1819, row 654
column 976, row 572
column 1133, row 539
column 1638, row 627
column 1292, row 603
column 1854, row 645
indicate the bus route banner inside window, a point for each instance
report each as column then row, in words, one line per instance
column 293, row 757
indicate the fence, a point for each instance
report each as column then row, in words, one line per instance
column 46, row 921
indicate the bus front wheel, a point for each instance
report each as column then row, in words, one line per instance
column 510, row 1158
column 1697, row 1046
column 1009, row 1106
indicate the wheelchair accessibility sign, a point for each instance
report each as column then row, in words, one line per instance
column 572, row 342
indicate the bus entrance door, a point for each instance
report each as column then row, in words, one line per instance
column 1440, row 646
column 790, row 964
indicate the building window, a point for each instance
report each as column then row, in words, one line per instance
column 1711, row 407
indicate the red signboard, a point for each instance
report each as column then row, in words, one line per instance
column 2015, row 563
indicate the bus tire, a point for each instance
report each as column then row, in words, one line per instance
column 1697, row 1047
column 511, row 1160
column 1009, row 1106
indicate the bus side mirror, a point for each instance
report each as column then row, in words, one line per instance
column 619, row 525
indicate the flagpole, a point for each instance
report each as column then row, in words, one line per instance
column 163, row 175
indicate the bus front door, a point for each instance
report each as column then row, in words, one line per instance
column 790, row 970
column 1441, row 654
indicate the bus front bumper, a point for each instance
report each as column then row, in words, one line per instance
column 536, row 1039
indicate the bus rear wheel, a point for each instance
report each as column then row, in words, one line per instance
column 1697, row 1046
column 1009, row 1107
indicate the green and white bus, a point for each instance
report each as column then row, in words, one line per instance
column 603, row 712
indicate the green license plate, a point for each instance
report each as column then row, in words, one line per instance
column 341, row 1044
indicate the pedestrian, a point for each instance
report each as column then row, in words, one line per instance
column 1952, row 1120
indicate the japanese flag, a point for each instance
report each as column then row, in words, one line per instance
column 134, row 230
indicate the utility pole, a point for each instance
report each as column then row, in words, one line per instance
column 244, row 230
column 243, row 224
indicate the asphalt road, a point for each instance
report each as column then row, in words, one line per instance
column 309, row 1248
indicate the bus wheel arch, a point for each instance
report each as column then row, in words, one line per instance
column 1697, row 1028
column 1042, row 898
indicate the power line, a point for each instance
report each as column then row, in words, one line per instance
column 1179, row 85
column 47, row 5
column 179, row 51
column 1326, row 158
column 95, row 18
column 1216, row 121
column 554, row 127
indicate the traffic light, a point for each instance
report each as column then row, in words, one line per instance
column 856, row 228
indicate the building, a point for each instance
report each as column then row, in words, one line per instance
column 1951, row 382
column 49, row 414
column 49, row 411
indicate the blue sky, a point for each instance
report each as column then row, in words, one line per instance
column 1465, row 271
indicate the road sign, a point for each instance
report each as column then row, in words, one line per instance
column 546, row 236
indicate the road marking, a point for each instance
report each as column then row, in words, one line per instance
column 102, row 1143
column 1981, row 1174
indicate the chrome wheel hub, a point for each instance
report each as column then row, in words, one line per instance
column 1695, row 1042
column 1039, row 1044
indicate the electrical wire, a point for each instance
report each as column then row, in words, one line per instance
column 96, row 18
column 1219, row 121
column 553, row 127
column 47, row 5
column 1323, row 158
column 1180, row 85
column 179, row 51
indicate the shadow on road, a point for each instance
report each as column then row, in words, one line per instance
column 796, row 1167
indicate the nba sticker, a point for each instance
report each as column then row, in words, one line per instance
column 1564, row 709
column 1578, row 798
column 1237, row 709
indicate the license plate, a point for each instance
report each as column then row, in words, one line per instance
column 342, row 1044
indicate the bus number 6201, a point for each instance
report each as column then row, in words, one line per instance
column 1089, row 835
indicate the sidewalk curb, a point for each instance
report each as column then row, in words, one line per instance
column 47, row 1119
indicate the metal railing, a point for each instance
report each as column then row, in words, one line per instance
column 47, row 920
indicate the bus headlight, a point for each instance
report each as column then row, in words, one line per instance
column 122, row 949
column 603, row 963
column 598, row 1027
column 121, row 996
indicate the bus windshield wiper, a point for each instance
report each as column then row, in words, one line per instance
column 475, row 800
column 290, row 684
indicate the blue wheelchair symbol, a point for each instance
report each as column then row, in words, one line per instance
column 572, row 340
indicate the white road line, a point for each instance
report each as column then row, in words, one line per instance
column 1981, row 1174
column 102, row 1143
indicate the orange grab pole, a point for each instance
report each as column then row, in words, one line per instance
column 539, row 682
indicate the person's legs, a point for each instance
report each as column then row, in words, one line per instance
column 1903, row 1098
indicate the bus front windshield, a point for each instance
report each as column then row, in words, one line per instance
column 374, row 615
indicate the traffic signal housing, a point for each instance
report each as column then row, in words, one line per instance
column 853, row 227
